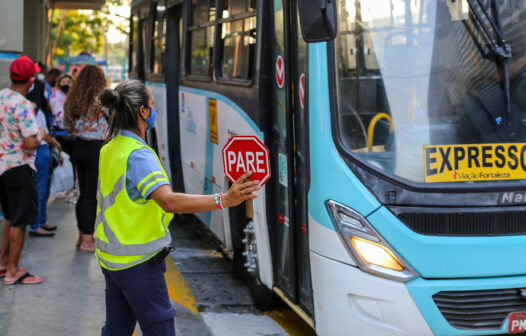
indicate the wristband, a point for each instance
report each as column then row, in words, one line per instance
column 221, row 201
column 217, row 201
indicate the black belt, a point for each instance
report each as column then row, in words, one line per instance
column 161, row 255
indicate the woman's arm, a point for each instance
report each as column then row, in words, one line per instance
column 32, row 142
column 52, row 141
column 185, row 203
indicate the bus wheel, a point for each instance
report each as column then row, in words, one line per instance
column 262, row 297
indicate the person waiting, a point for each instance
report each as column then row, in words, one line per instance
column 19, row 138
column 88, row 125
column 43, row 165
column 56, row 102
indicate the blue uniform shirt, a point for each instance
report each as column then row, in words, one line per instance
column 141, row 163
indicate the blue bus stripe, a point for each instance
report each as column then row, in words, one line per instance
column 160, row 85
column 8, row 56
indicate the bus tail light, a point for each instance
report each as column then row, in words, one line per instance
column 372, row 253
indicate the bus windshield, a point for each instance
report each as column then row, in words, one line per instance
column 419, row 79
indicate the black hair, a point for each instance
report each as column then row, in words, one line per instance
column 53, row 72
column 42, row 66
column 124, row 103
column 19, row 82
column 62, row 76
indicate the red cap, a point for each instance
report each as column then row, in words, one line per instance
column 23, row 68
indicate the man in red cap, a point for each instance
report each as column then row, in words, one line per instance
column 19, row 137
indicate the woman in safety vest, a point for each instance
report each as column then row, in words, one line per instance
column 135, row 206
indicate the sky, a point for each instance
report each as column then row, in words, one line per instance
column 120, row 15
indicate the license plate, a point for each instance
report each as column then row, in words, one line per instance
column 517, row 323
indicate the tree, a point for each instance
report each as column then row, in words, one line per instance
column 74, row 31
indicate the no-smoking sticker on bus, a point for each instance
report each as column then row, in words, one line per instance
column 280, row 71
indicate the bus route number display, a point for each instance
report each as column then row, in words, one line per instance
column 464, row 163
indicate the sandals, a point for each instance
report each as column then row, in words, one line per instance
column 4, row 272
column 41, row 234
column 24, row 279
column 87, row 247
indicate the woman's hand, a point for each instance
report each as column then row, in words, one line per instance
column 240, row 191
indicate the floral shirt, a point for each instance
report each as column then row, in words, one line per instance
column 57, row 100
column 17, row 121
column 91, row 127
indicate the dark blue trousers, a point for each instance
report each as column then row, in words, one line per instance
column 138, row 294
column 43, row 166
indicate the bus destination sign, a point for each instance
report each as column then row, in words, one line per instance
column 464, row 163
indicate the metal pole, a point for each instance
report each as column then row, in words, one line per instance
column 48, row 39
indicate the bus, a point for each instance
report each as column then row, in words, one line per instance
column 397, row 138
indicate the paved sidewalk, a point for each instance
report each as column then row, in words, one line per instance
column 70, row 301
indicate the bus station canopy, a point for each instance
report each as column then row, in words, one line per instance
column 83, row 58
column 82, row 4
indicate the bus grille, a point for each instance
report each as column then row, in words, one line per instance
column 484, row 309
column 469, row 222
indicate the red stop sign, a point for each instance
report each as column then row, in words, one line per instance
column 243, row 154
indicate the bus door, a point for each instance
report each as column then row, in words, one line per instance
column 289, row 156
column 173, row 68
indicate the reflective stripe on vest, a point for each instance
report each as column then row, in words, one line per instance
column 114, row 246
column 113, row 265
column 143, row 185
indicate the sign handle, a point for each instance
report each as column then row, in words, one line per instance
column 249, row 205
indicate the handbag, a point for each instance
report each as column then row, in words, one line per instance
column 62, row 178
column 55, row 157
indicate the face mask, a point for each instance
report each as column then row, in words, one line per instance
column 64, row 88
column 151, row 119
column 41, row 76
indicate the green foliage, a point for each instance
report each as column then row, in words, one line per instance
column 74, row 31
column 77, row 31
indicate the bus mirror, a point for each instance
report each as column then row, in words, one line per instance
column 318, row 19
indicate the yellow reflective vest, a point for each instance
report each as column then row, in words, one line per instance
column 127, row 232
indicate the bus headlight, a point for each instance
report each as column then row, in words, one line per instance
column 372, row 253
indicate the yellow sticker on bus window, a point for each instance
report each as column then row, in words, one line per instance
column 212, row 115
column 464, row 163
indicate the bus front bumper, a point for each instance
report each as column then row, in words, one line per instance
column 422, row 291
column 349, row 301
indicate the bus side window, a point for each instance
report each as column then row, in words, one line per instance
column 238, row 40
column 201, row 38
column 158, row 39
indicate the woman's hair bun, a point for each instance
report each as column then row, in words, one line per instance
column 109, row 98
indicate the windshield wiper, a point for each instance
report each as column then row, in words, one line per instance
column 501, row 50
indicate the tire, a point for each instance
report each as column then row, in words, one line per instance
column 262, row 297
column 238, row 221
column 238, row 268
